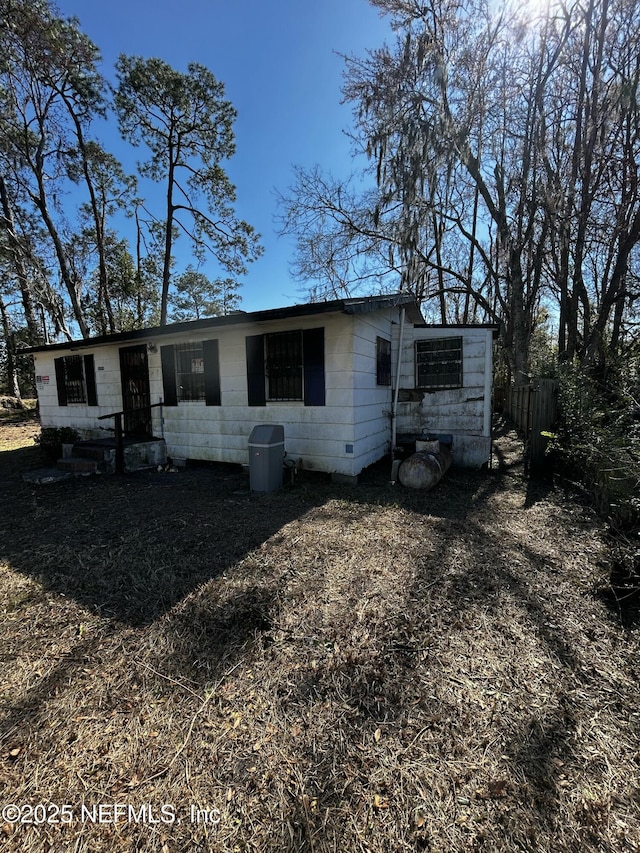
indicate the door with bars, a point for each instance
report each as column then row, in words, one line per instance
column 136, row 393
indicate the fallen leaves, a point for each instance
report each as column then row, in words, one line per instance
column 380, row 802
column 334, row 728
column 497, row 788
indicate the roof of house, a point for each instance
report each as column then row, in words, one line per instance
column 357, row 305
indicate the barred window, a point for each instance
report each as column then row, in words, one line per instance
column 74, row 379
column 383, row 361
column 283, row 353
column 439, row 363
column 190, row 371
column 286, row 366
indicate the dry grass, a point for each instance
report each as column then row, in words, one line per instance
column 325, row 669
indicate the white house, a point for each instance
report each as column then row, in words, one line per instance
column 326, row 371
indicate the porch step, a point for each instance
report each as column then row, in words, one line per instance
column 88, row 451
column 87, row 457
column 95, row 457
column 99, row 456
column 78, row 465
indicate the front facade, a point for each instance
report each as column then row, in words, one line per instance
column 324, row 371
column 316, row 369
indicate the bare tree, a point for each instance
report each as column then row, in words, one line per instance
column 504, row 153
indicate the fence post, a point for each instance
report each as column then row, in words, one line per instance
column 533, row 408
column 544, row 416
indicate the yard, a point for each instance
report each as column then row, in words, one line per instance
column 187, row 667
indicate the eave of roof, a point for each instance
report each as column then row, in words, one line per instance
column 356, row 305
column 490, row 327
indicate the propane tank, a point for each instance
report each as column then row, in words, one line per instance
column 424, row 469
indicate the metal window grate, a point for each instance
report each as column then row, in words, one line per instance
column 383, row 361
column 283, row 352
column 190, row 371
column 74, row 379
column 439, row 363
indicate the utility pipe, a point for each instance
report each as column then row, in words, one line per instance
column 396, row 390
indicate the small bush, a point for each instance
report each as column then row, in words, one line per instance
column 51, row 440
column 598, row 442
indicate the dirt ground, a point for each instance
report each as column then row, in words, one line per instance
column 188, row 667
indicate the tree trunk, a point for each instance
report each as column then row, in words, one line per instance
column 41, row 203
column 518, row 321
column 168, row 241
column 615, row 292
column 16, row 248
column 104, row 301
column 13, row 387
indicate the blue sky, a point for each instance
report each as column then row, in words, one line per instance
column 279, row 65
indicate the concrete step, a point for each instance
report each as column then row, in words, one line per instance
column 78, row 465
column 86, row 451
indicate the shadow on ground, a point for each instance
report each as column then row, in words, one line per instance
column 131, row 547
column 417, row 684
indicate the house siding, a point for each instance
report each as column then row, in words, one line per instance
column 79, row 416
column 371, row 402
column 319, row 435
column 349, row 432
column 315, row 434
column 464, row 413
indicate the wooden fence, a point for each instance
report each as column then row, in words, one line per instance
column 533, row 407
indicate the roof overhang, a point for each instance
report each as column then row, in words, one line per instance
column 494, row 328
column 362, row 305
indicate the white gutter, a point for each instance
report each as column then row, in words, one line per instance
column 396, row 391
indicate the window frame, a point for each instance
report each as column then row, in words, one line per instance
column 278, row 372
column 314, row 388
column 428, row 345
column 189, row 391
column 75, row 386
column 208, row 351
column 79, row 389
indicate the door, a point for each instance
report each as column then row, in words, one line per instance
column 136, row 394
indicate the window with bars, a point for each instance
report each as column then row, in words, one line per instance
column 286, row 366
column 190, row 371
column 439, row 363
column 283, row 362
column 383, row 361
column 76, row 380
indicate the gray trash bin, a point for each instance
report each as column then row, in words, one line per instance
column 266, row 455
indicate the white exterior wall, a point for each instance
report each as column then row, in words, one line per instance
column 371, row 402
column 79, row 416
column 322, row 436
column 316, row 434
column 465, row 412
